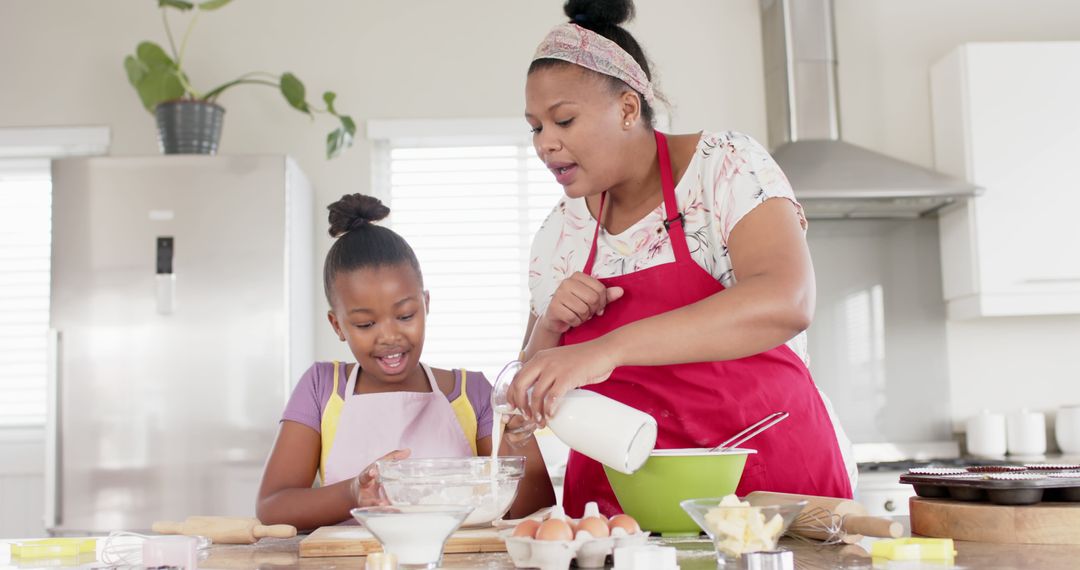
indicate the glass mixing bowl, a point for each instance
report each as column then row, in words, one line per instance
column 487, row 485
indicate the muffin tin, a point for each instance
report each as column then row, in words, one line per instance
column 1000, row 485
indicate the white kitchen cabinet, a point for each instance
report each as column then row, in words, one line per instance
column 1007, row 117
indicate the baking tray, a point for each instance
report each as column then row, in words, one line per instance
column 1052, row 486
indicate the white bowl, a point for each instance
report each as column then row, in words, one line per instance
column 415, row 534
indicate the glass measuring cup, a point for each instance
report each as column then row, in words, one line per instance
column 592, row 424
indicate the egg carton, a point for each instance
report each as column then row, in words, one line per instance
column 588, row 551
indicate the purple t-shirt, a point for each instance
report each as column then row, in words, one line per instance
column 312, row 393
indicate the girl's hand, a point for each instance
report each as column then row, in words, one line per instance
column 366, row 487
column 577, row 299
column 551, row 373
column 517, row 430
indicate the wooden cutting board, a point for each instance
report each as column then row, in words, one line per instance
column 1042, row 523
column 357, row 541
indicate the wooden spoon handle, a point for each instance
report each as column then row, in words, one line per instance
column 167, row 527
column 872, row 526
column 274, row 531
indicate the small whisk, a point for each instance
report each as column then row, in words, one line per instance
column 124, row 550
column 818, row 520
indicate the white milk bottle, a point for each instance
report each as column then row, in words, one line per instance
column 592, row 424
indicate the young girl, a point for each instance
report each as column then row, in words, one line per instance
column 342, row 418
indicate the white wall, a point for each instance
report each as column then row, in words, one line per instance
column 402, row 59
column 884, row 49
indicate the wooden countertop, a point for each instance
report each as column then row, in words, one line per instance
column 692, row 554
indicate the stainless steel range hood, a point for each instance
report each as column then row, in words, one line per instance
column 832, row 178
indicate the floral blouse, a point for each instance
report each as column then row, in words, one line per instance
column 729, row 175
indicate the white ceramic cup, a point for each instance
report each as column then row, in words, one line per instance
column 986, row 434
column 1026, row 433
column 1067, row 429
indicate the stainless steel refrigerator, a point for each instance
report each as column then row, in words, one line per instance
column 181, row 315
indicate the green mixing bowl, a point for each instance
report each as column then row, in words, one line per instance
column 653, row 493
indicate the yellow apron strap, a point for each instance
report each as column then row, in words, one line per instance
column 466, row 415
column 329, row 423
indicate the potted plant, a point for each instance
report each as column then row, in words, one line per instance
column 189, row 120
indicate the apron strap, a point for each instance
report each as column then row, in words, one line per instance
column 596, row 232
column 431, row 378
column 673, row 219
column 337, row 366
column 674, row 222
column 350, row 385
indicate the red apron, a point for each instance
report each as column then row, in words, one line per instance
column 701, row 404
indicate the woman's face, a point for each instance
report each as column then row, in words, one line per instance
column 578, row 128
column 380, row 313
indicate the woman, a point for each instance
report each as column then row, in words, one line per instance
column 674, row 276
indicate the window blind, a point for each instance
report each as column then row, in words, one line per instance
column 469, row 212
column 25, row 238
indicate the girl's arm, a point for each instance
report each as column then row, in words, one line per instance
column 772, row 302
column 534, row 490
column 286, row 495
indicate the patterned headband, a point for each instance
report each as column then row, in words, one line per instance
column 577, row 45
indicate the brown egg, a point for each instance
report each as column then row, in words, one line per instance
column 595, row 526
column 625, row 522
column 554, row 529
column 527, row 528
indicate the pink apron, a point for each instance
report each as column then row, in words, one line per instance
column 372, row 425
column 703, row 403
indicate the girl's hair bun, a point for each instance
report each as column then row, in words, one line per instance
column 354, row 211
column 599, row 13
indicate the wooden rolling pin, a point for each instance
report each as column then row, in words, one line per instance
column 225, row 530
column 854, row 522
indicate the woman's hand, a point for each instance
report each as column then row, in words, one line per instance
column 551, row 373
column 366, row 486
column 577, row 299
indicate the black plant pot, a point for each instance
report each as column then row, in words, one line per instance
column 189, row 127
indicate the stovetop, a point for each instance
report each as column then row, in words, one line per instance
column 905, row 464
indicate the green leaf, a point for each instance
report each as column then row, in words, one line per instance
column 334, row 143
column 159, row 85
column 178, row 4
column 294, row 92
column 328, row 98
column 151, row 55
column 341, row 138
column 135, row 69
column 349, row 125
column 213, row 4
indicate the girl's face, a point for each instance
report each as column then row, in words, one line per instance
column 380, row 312
column 578, row 127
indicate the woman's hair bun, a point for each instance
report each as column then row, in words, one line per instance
column 599, row 13
column 354, row 211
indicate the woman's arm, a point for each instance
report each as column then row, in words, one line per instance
column 534, row 490
column 537, row 339
column 771, row 303
column 576, row 300
column 286, row 495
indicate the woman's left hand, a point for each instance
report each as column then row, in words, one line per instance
column 553, row 372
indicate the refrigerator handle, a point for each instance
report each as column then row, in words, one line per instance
column 52, row 432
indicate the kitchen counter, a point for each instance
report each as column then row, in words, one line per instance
column 693, row 555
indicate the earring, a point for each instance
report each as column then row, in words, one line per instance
column 626, row 123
